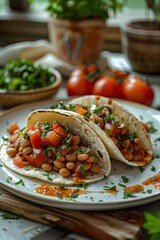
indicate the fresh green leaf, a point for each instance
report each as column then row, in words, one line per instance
column 9, row 216
column 125, row 179
column 152, row 224
column 128, row 195
column 20, row 182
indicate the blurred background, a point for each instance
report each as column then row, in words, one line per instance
column 31, row 25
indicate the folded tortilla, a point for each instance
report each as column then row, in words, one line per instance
column 133, row 125
column 88, row 138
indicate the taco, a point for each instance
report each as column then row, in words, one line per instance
column 122, row 133
column 57, row 147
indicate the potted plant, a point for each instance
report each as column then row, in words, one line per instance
column 76, row 28
column 141, row 41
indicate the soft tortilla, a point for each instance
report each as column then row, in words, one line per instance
column 134, row 125
column 88, row 136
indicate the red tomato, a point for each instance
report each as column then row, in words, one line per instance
column 32, row 160
column 61, row 132
column 40, row 158
column 30, row 128
column 79, row 85
column 134, row 89
column 78, row 71
column 17, row 160
column 12, row 128
column 52, row 138
column 111, row 128
column 35, row 139
column 79, row 109
column 55, row 126
column 118, row 73
column 107, row 86
column 91, row 67
column 36, row 159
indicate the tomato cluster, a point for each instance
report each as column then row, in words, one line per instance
column 87, row 80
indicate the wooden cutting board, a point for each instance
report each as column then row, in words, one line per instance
column 122, row 224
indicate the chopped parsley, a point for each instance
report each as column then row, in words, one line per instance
column 141, row 169
column 151, row 129
column 149, row 191
column 9, row 179
column 121, row 185
column 157, row 156
column 47, row 149
column 109, row 188
column 125, row 179
column 20, row 181
column 48, row 177
column 82, row 170
column 9, row 216
column 128, row 195
column 58, row 155
column 59, row 105
column 152, row 168
column 157, row 139
column 73, row 195
column 81, row 185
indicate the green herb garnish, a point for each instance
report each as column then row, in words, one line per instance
column 22, row 75
column 9, row 216
column 128, row 195
column 82, row 170
column 152, row 225
column 125, row 179
column 48, row 177
column 9, row 179
column 20, row 182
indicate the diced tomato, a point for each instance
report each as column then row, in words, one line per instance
column 145, row 125
column 30, row 128
column 52, row 138
column 40, row 158
column 36, row 159
column 112, row 128
column 79, row 109
column 13, row 127
column 17, row 161
column 55, row 126
column 61, row 132
column 35, row 139
column 31, row 159
column 98, row 120
column 64, row 151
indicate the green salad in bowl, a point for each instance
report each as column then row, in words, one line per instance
column 23, row 81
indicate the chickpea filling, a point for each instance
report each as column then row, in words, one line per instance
column 127, row 143
column 51, row 147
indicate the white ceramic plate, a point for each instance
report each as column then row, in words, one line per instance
column 95, row 198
